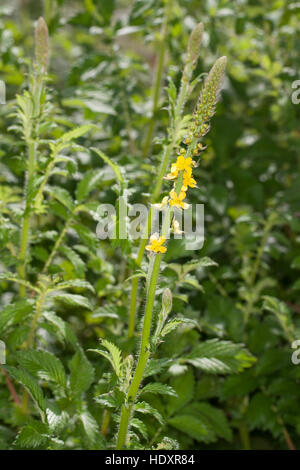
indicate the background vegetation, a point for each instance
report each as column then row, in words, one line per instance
column 224, row 379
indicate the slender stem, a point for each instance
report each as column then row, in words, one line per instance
column 157, row 83
column 144, row 354
column 30, row 341
column 27, row 217
column 57, row 245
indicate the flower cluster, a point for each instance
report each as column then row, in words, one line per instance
column 182, row 170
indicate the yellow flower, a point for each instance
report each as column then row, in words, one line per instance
column 156, row 244
column 177, row 200
column 188, row 180
column 183, row 163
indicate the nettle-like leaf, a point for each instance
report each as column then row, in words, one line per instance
column 113, row 355
column 220, row 357
column 157, row 388
column 144, row 407
column 282, row 313
column 73, row 300
column 15, row 313
column 89, row 182
column 82, row 373
column 116, row 169
column 31, row 385
column 34, row 435
column 63, row 331
column 43, row 365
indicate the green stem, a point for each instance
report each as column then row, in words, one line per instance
column 144, row 354
column 27, row 217
column 57, row 245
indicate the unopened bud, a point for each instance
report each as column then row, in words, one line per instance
column 167, row 301
column 194, row 43
column 42, row 44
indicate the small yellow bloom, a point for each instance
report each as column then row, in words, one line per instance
column 177, row 200
column 183, row 163
column 188, row 180
column 157, row 244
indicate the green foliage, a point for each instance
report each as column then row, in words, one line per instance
column 108, row 120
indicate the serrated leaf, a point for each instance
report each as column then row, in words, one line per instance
column 157, row 388
column 32, row 436
column 75, row 133
column 116, row 169
column 90, row 426
column 144, row 407
column 64, row 331
column 184, row 386
column 73, row 300
column 193, row 427
column 75, row 259
column 140, row 426
column 82, row 373
column 113, row 355
column 31, row 385
column 77, row 283
column 43, row 365
column 89, row 182
column 224, row 357
column 14, row 313
column 62, row 195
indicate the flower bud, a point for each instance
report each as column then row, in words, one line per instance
column 42, row 44
column 167, row 301
column 195, row 43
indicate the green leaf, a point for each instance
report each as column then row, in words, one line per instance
column 82, row 373
column 144, row 407
column 77, row 283
column 184, row 386
column 89, row 182
column 75, row 259
column 33, row 435
column 116, row 169
column 213, row 417
column 90, row 426
column 75, row 133
column 282, row 312
column 73, row 300
column 193, row 427
column 224, row 357
column 113, row 355
column 140, row 426
column 61, row 195
column 15, row 313
column 31, row 385
column 63, row 330
column 43, row 365
column 170, row 326
column 157, row 388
